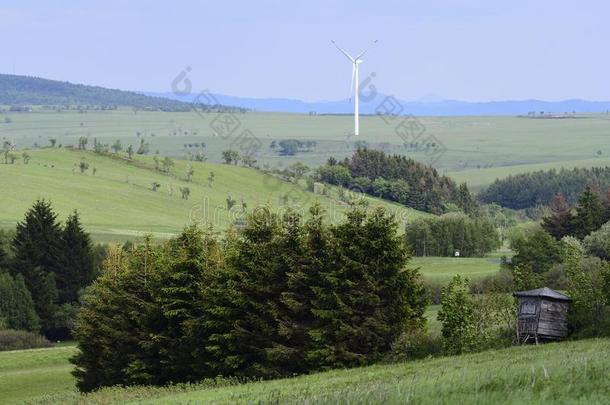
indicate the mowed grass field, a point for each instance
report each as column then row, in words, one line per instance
column 118, row 202
column 559, row 373
column 477, row 149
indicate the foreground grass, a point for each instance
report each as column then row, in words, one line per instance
column 559, row 373
column 27, row 374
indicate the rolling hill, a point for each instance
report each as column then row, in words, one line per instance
column 25, row 90
column 118, row 202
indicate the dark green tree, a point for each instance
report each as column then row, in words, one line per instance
column 16, row 305
column 77, row 267
column 590, row 213
column 37, row 248
column 368, row 297
column 538, row 251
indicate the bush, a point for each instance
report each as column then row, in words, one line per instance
column 20, row 340
column 473, row 323
column 434, row 290
column 415, row 344
column 501, row 282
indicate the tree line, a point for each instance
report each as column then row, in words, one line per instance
column 444, row 235
column 538, row 188
column 400, row 179
column 283, row 296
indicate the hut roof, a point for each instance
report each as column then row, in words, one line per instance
column 543, row 292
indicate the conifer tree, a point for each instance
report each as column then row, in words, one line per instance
column 16, row 305
column 590, row 213
column 37, row 256
column 370, row 296
column 561, row 221
column 76, row 270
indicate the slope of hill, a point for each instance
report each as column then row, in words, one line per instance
column 118, row 201
column 24, row 90
column 558, row 373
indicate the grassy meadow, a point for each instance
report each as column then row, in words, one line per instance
column 478, row 149
column 561, row 373
column 118, row 202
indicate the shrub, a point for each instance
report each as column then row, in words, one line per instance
column 457, row 316
column 20, row 340
column 434, row 289
column 415, row 344
column 501, row 282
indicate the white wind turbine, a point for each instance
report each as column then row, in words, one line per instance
column 355, row 82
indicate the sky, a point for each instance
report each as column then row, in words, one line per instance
column 472, row 50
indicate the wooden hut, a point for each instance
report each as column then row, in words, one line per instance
column 543, row 315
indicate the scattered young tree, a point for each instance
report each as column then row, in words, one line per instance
column 167, row 164
column 130, row 151
column 230, row 202
column 230, row 157
column 143, row 148
column 52, row 141
column 25, row 157
column 83, row 166
column 211, row 178
column 186, row 192
column 155, row 185
column 189, row 174
column 82, row 142
column 116, row 146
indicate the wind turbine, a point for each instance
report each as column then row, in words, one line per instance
column 355, row 82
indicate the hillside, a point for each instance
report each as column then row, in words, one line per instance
column 129, row 207
column 560, row 373
column 25, row 90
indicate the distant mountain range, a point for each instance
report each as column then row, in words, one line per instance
column 25, row 90
column 424, row 107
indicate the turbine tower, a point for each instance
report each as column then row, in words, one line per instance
column 355, row 82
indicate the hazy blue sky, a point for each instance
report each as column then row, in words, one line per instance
column 460, row 49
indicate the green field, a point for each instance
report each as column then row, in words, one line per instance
column 118, row 202
column 559, row 373
column 483, row 148
column 443, row 268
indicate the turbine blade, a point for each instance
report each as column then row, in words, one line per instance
column 366, row 50
column 347, row 55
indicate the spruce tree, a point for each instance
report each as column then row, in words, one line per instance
column 590, row 213
column 76, row 271
column 37, row 252
column 370, row 297
column 258, row 287
column 561, row 221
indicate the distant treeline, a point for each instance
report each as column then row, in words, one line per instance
column 443, row 235
column 400, row 179
column 538, row 188
column 23, row 90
